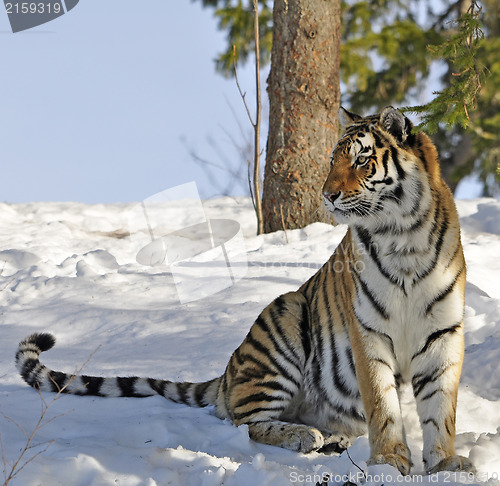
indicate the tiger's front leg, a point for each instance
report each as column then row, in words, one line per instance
column 436, row 374
column 375, row 370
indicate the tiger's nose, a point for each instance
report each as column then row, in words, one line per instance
column 331, row 196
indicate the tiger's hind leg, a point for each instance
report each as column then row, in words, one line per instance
column 264, row 377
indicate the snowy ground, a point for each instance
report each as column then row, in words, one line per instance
column 71, row 269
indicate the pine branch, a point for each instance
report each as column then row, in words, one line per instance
column 453, row 104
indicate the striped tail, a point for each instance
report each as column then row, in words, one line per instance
column 39, row 376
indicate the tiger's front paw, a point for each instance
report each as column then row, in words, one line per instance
column 454, row 464
column 400, row 459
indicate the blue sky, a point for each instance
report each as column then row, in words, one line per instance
column 104, row 103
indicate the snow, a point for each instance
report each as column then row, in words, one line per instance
column 71, row 269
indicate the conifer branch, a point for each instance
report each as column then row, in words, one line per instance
column 452, row 105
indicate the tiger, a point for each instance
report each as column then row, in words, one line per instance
column 325, row 364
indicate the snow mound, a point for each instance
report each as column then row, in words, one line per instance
column 70, row 269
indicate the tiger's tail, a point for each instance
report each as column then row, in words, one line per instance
column 40, row 377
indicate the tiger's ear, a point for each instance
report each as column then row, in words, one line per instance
column 346, row 117
column 394, row 122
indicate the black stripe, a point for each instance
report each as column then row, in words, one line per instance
column 378, row 140
column 384, row 141
column 420, row 381
column 339, row 297
column 395, row 194
column 353, row 412
column 257, row 345
column 373, row 170
column 435, row 218
column 57, row 380
column 316, row 378
column 350, row 359
column 316, row 279
column 260, row 371
column 182, row 391
column 92, row 384
column 434, row 337
column 43, row 341
column 250, row 374
column 262, row 324
column 399, row 379
column 158, row 386
column 248, row 413
column 390, row 228
column 371, row 249
column 200, row 392
column 127, row 386
column 231, row 369
column 305, row 331
column 29, row 366
column 385, row 158
column 439, row 297
column 383, row 335
column 437, row 246
column 238, row 357
column 457, row 249
column 257, row 397
column 386, row 424
column 422, row 153
column 443, row 230
column 223, row 389
column 338, row 379
column 395, row 160
column 276, row 385
column 417, row 200
column 410, row 136
column 371, row 297
column 276, row 321
column 431, row 394
column 431, row 421
column 383, row 362
column 387, row 181
column 319, row 358
column 326, row 301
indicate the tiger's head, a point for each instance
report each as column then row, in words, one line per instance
column 379, row 169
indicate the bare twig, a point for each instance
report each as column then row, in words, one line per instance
column 256, row 193
column 256, row 167
column 242, row 94
column 224, row 186
column 42, row 421
column 350, row 458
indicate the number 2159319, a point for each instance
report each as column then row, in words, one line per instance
column 33, row 7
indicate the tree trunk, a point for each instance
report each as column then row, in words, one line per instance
column 304, row 95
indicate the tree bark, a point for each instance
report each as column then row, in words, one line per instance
column 304, row 95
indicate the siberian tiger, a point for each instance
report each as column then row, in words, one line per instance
column 324, row 364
